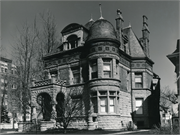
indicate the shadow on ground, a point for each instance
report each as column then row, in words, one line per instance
column 110, row 132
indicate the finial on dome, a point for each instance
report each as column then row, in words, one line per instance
column 91, row 18
column 100, row 11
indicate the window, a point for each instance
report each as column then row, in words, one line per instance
column 107, row 68
column 14, row 86
column 94, row 70
column 103, row 104
column 73, row 41
column 2, row 80
column 138, row 80
column 94, row 103
column 76, row 75
column 76, row 78
column 5, row 70
column 112, row 93
column 2, row 70
column 111, row 103
column 102, row 93
column 139, row 105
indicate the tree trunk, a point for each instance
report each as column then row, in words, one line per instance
column 65, row 130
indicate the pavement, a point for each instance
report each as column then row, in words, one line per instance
column 143, row 131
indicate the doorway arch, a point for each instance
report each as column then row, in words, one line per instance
column 60, row 106
column 44, row 100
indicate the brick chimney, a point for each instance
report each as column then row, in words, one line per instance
column 119, row 26
column 145, row 36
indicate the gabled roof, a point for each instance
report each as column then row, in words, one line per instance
column 135, row 46
column 172, row 57
column 72, row 26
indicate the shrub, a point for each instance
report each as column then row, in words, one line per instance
column 166, row 129
column 130, row 126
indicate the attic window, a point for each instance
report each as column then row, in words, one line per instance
column 125, row 39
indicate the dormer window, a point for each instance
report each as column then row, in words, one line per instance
column 72, row 41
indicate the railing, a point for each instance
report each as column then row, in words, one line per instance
column 48, row 82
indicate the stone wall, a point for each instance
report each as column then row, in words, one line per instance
column 125, row 104
column 113, row 121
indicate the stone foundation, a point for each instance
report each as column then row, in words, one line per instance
column 113, row 121
column 24, row 126
column 44, row 125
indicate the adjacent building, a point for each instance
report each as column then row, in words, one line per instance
column 113, row 69
column 174, row 58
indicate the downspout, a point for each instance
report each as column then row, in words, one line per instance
column 132, row 115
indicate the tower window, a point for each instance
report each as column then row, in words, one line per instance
column 94, row 69
column 107, row 68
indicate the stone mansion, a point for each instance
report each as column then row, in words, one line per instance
column 112, row 69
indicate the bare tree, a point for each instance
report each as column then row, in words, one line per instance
column 5, row 87
column 70, row 107
column 49, row 33
column 25, row 54
column 167, row 98
column 48, row 40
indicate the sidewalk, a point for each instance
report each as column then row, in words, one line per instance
column 94, row 132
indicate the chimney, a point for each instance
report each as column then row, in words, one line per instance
column 119, row 26
column 145, row 36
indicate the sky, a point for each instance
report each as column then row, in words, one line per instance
column 163, row 22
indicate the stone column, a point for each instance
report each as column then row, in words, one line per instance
column 90, row 71
column 144, row 82
column 70, row 75
column 100, row 67
column 34, row 114
column 90, row 123
column 53, row 113
column 133, row 80
column 114, row 68
column 80, row 73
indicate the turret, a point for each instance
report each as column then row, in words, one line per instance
column 119, row 26
column 145, row 36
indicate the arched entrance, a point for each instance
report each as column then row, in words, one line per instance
column 59, row 106
column 44, row 100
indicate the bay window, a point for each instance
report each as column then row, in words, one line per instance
column 103, row 103
column 111, row 103
column 138, row 80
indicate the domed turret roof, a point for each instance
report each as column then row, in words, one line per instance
column 101, row 29
column 89, row 24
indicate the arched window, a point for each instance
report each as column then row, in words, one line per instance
column 73, row 41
